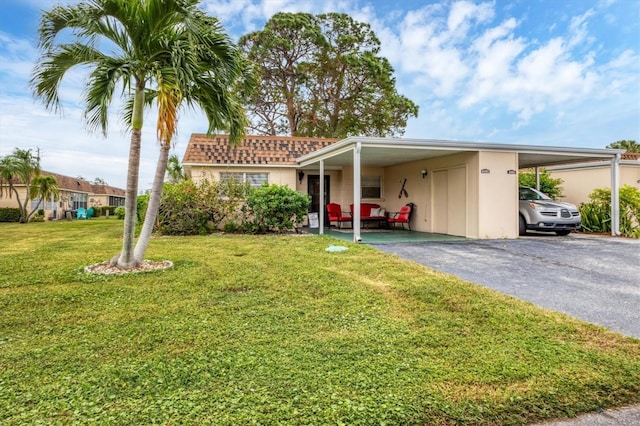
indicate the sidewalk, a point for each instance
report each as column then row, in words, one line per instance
column 627, row 416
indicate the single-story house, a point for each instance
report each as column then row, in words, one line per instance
column 468, row 189
column 579, row 180
column 74, row 193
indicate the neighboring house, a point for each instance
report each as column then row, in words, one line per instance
column 459, row 188
column 74, row 193
column 579, row 180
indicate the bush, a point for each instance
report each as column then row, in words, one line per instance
column 275, row 208
column 9, row 214
column 187, row 208
column 141, row 207
column 596, row 214
column 37, row 217
column 119, row 212
column 548, row 185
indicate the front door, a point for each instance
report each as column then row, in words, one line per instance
column 313, row 189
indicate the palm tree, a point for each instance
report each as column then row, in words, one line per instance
column 158, row 43
column 21, row 166
column 43, row 188
column 629, row 146
column 175, row 170
column 211, row 74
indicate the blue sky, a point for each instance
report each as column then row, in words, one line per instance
column 540, row 72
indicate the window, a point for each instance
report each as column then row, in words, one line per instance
column 255, row 180
column 371, row 186
column 116, row 201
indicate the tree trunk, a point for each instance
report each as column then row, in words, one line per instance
column 154, row 203
column 126, row 259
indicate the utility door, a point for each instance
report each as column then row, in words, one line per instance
column 450, row 201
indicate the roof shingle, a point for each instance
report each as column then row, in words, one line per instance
column 254, row 150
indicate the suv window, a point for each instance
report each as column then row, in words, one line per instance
column 532, row 194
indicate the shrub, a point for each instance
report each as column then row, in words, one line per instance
column 37, row 217
column 141, row 207
column 275, row 208
column 119, row 212
column 187, row 208
column 110, row 209
column 548, row 185
column 596, row 214
column 9, row 214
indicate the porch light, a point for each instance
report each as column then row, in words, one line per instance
column 300, row 176
column 424, row 173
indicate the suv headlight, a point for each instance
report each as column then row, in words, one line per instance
column 536, row 206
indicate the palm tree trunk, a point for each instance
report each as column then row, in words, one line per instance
column 126, row 260
column 154, row 203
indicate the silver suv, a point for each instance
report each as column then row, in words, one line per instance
column 540, row 213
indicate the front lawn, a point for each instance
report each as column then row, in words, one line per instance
column 275, row 330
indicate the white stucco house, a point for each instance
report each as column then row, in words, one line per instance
column 460, row 188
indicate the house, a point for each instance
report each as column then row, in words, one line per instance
column 256, row 160
column 579, row 180
column 468, row 189
column 74, row 193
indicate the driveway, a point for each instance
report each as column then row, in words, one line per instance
column 595, row 279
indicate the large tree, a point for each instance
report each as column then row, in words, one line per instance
column 322, row 76
column 154, row 48
column 629, row 146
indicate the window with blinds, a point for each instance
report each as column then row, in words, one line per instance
column 255, row 180
column 371, row 186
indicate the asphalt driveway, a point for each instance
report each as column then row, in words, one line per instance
column 595, row 279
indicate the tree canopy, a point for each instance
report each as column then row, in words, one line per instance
column 322, row 76
column 549, row 185
column 627, row 145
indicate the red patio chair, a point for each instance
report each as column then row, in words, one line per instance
column 402, row 217
column 335, row 213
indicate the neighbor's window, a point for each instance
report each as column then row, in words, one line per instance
column 255, row 180
column 371, row 186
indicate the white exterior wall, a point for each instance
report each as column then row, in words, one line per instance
column 498, row 195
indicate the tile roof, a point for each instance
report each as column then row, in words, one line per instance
column 68, row 183
column 630, row 156
column 107, row 190
column 254, row 150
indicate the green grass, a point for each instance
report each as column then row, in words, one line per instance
column 274, row 330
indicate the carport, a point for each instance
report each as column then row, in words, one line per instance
column 460, row 188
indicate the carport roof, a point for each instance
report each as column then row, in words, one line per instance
column 383, row 152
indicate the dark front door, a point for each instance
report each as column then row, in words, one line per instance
column 313, row 189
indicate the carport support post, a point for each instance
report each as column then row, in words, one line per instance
column 615, row 196
column 537, row 178
column 356, row 193
column 321, row 208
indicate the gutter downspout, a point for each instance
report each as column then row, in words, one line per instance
column 321, row 208
column 356, row 193
column 615, row 196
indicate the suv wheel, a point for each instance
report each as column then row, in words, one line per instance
column 523, row 226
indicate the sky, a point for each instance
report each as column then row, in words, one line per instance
column 537, row 72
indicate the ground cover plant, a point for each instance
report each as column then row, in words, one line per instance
column 275, row 330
